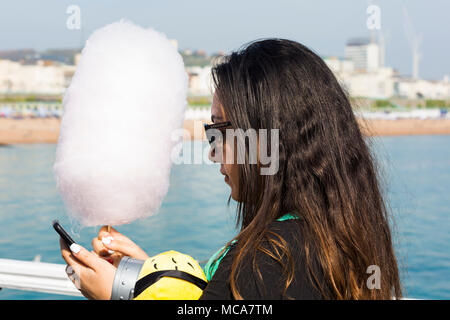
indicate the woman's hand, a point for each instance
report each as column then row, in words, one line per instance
column 92, row 275
column 112, row 246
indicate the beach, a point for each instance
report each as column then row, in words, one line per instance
column 46, row 130
column 38, row 130
column 404, row 127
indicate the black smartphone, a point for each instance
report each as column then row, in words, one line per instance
column 63, row 233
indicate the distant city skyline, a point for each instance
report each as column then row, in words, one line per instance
column 324, row 26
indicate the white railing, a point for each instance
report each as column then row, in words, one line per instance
column 36, row 276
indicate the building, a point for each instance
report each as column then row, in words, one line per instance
column 339, row 65
column 44, row 77
column 376, row 84
column 359, row 82
column 411, row 88
column 362, row 74
column 199, row 80
column 365, row 54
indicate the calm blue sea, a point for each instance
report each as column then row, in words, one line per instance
column 195, row 219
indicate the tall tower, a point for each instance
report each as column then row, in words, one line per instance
column 382, row 44
column 416, row 56
column 364, row 52
column 415, row 41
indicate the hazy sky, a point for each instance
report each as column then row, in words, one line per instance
column 324, row 26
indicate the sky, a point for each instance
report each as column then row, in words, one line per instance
column 323, row 25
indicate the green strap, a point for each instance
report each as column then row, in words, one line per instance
column 288, row 216
column 213, row 262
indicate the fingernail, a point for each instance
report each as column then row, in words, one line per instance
column 75, row 248
column 107, row 240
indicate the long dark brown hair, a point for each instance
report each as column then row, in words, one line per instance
column 327, row 174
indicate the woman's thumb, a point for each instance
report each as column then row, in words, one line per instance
column 114, row 245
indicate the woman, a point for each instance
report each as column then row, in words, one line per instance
column 312, row 229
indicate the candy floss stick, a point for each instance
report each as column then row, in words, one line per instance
column 127, row 97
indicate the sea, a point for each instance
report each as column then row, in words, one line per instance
column 197, row 219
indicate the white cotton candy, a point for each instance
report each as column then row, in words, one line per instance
column 127, row 97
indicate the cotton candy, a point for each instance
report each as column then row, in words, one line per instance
column 127, row 97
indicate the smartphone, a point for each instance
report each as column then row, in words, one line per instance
column 63, row 233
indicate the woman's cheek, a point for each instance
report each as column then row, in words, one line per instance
column 232, row 170
column 234, row 178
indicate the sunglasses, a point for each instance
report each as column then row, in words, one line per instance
column 211, row 133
